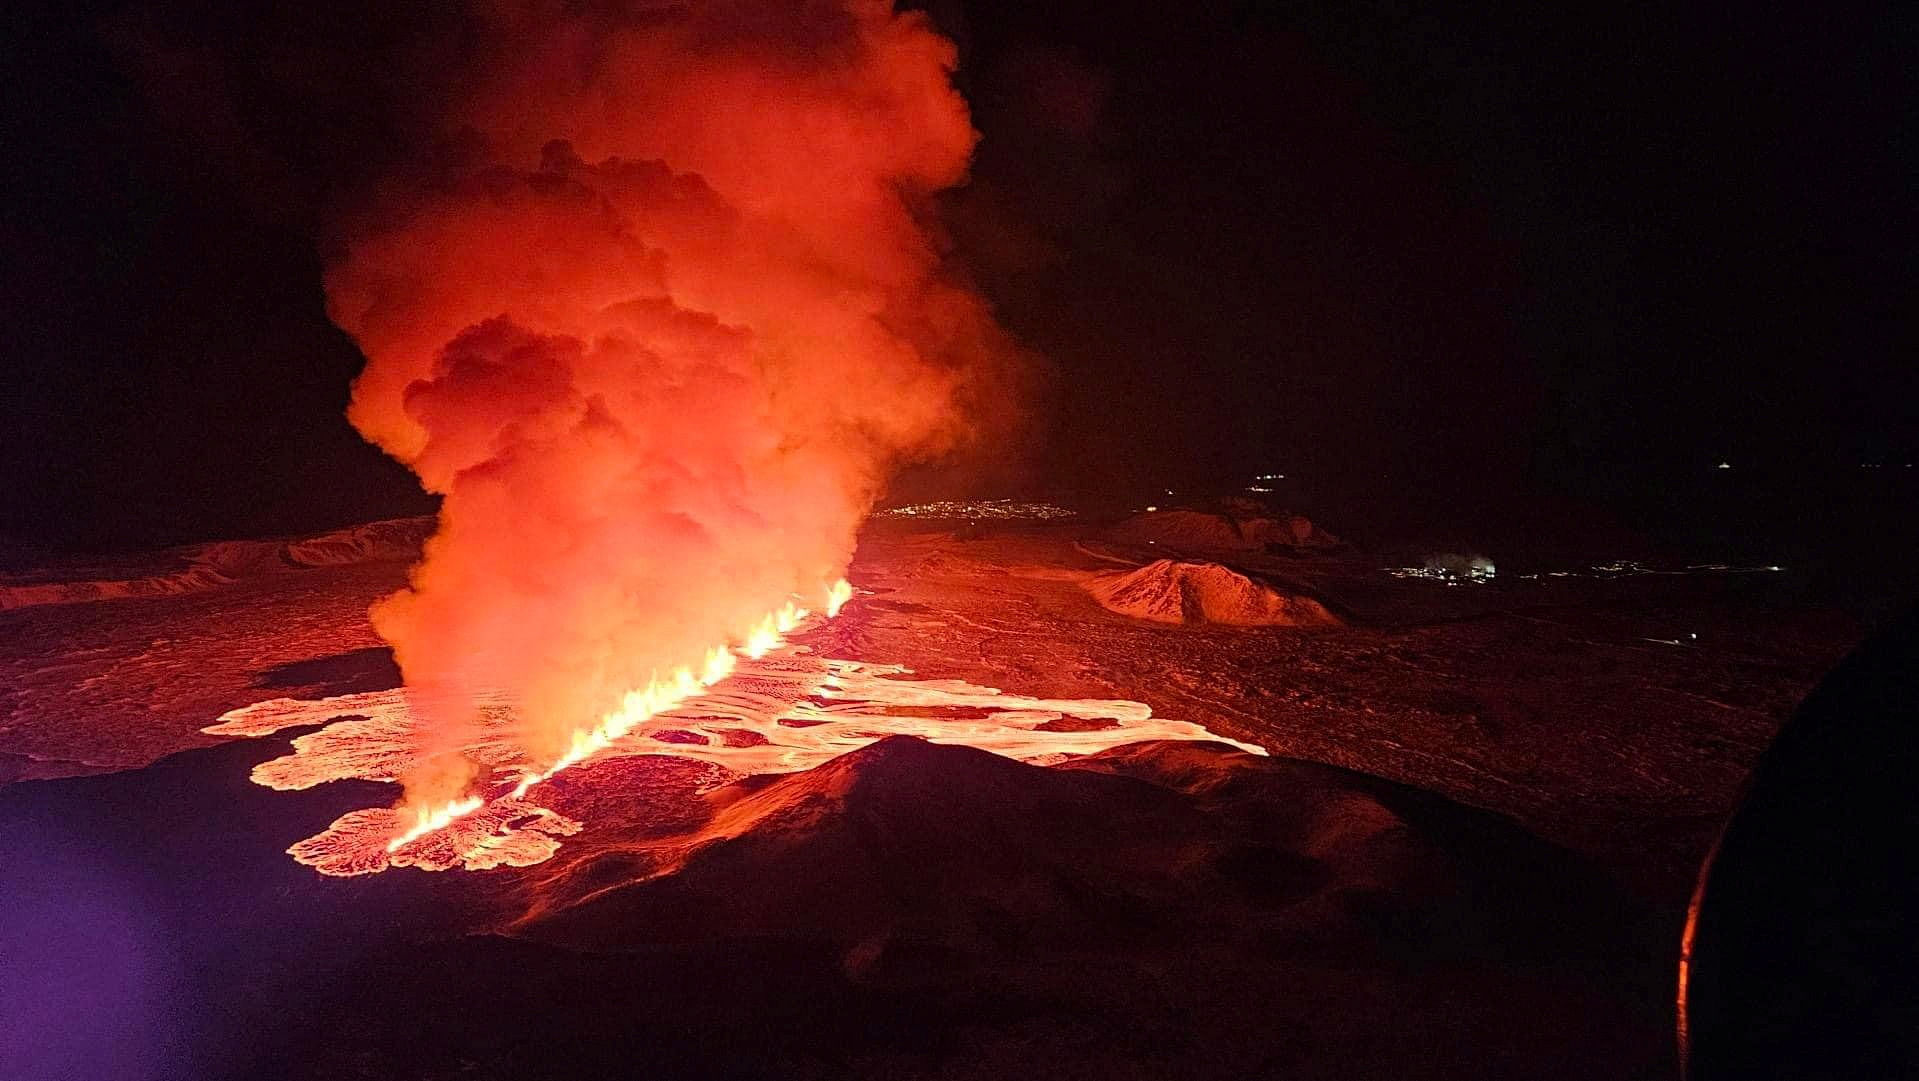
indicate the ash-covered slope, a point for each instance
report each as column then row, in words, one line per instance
column 1180, row 591
column 1147, row 845
column 907, row 911
column 915, row 910
column 901, row 837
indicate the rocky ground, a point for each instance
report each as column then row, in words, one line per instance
column 1615, row 716
column 1465, row 859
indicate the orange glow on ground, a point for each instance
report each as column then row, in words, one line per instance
column 781, row 712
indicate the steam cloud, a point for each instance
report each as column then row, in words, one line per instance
column 658, row 323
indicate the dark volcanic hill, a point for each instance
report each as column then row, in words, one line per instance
column 1160, row 910
column 908, row 910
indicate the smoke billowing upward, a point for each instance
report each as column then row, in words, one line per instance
column 658, row 320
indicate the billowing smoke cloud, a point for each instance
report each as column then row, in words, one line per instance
column 658, row 324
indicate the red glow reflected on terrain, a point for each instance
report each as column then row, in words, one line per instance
column 783, row 711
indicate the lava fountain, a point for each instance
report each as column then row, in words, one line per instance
column 636, row 708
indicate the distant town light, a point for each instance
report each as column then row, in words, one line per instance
column 979, row 510
column 1451, row 569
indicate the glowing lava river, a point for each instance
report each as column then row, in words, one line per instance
column 768, row 705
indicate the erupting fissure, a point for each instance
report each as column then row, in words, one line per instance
column 792, row 709
column 639, row 705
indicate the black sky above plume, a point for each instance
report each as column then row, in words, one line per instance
column 1586, row 248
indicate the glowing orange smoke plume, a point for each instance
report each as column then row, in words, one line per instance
column 656, row 320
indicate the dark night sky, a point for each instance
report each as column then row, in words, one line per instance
column 1588, row 248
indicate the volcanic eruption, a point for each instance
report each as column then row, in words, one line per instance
column 656, row 315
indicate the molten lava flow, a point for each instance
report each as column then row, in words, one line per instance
column 782, row 711
column 637, row 707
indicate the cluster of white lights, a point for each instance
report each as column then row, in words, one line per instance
column 1453, row 573
column 980, row 510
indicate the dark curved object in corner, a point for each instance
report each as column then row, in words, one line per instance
column 1801, row 951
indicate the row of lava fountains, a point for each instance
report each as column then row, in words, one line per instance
column 638, row 706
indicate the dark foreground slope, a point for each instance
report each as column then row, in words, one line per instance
column 908, row 910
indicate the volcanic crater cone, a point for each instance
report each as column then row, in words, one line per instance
column 1181, row 591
